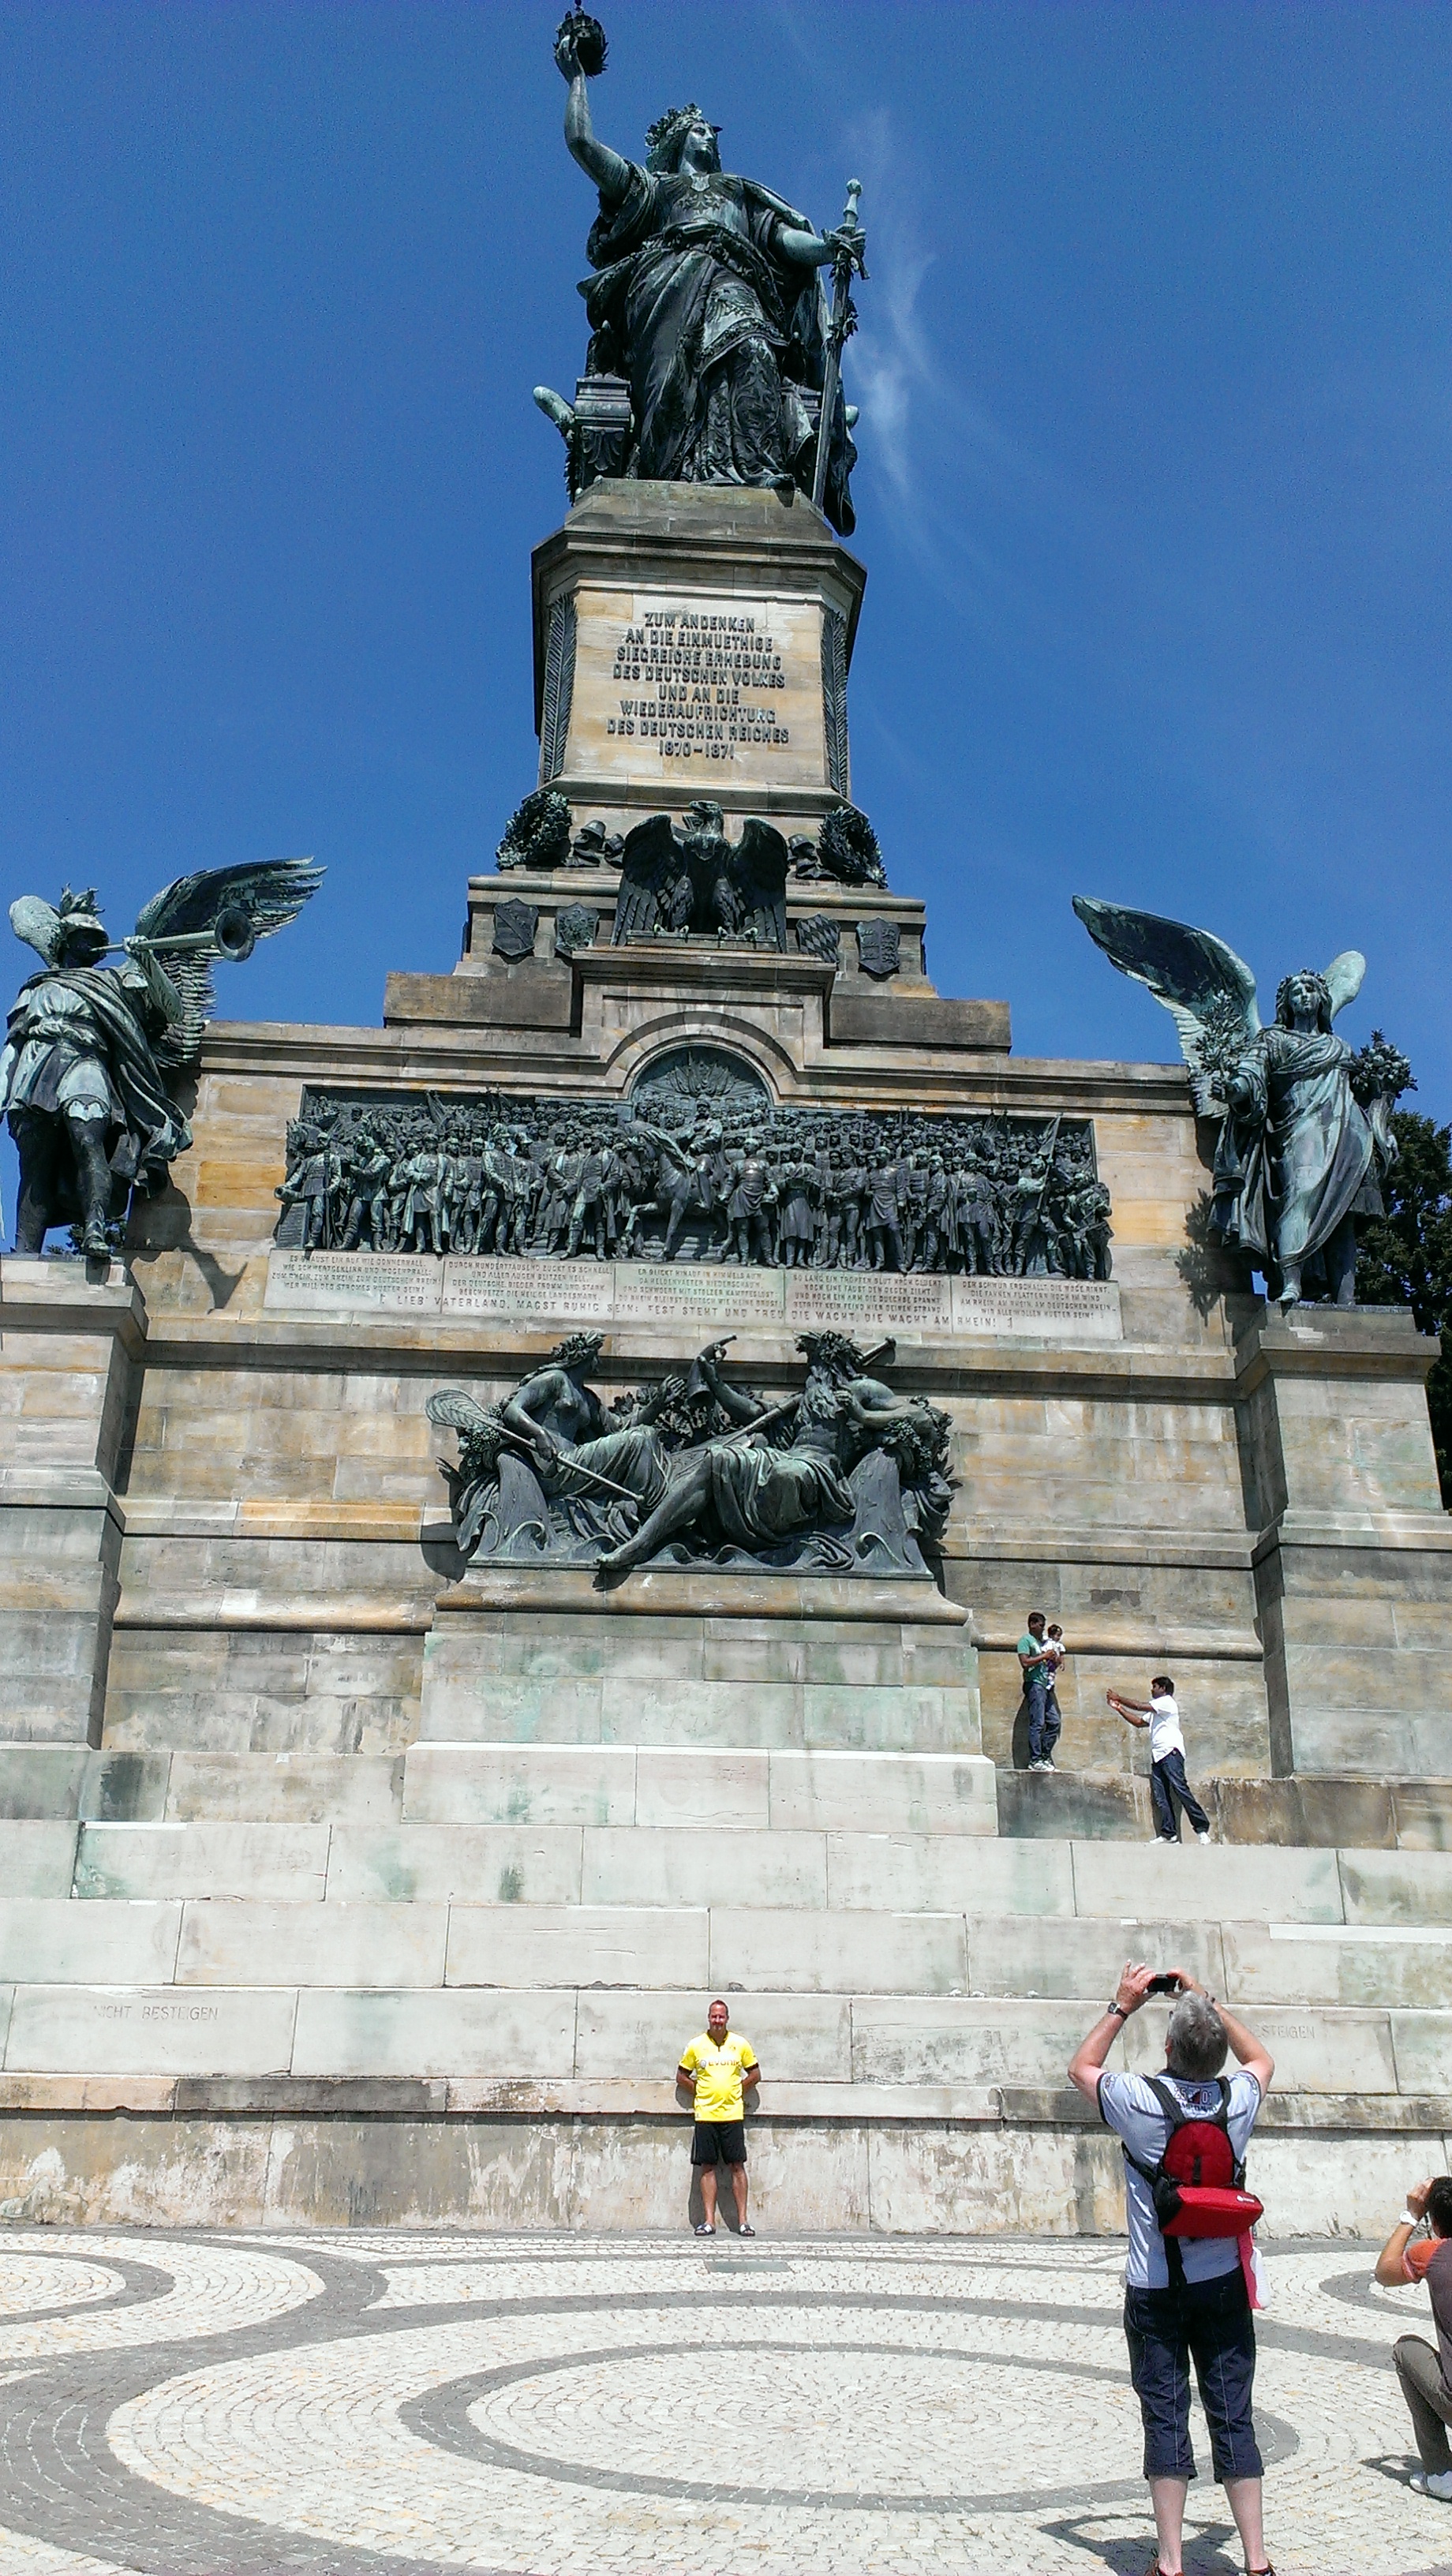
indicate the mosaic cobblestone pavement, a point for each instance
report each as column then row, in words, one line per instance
column 346, row 2405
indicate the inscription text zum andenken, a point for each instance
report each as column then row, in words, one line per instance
column 705, row 673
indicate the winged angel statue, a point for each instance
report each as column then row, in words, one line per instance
column 678, row 882
column 89, row 1048
column 1305, row 1121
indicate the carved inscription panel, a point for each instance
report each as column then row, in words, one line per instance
column 1077, row 1310
column 330, row 1283
column 709, row 1295
column 683, row 688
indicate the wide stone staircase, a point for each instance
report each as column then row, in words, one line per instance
column 453, row 1983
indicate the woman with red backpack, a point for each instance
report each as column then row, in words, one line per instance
column 1190, row 2272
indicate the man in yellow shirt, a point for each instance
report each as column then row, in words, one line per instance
column 718, row 2070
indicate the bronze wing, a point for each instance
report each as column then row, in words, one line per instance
column 651, row 863
column 759, row 865
column 258, row 896
column 1208, row 991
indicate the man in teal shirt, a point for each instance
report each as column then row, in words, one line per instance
column 1037, row 1666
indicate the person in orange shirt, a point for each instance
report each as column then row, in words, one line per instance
column 718, row 2069
column 1426, row 2376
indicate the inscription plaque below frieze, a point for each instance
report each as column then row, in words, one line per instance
column 521, row 1289
column 714, row 1296
column 1077, row 1310
column 911, row 1301
column 339, row 1283
column 706, row 1294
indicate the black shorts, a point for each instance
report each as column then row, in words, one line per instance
column 718, row 2142
column 1210, row 2324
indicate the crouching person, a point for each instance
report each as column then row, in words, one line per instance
column 1425, row 2374
column 1189, row 2271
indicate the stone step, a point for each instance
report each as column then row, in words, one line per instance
column 647, row 1708
column 514, row 2035
column 1326, row 2116
column 62, row 1780
column 739, row 1868
column 623, row 1784
column 1309, row 1812
column 383, row 1945
column 626, row 1784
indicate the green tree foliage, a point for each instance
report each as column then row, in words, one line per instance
column 1405, row 1257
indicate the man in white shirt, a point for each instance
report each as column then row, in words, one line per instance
column 1204, row 2315
column 1169, row 1787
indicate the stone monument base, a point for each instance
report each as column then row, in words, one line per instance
column 703, row 1660
column 344, row 1885
column 461, row 2006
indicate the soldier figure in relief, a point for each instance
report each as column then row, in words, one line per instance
column 367, row 1182
column 319, row 1185
column 587, row 1215
column 749, row 1203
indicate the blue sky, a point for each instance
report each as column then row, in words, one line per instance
column 1154, row 493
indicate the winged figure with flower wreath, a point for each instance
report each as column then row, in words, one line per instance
column 1304, row 1120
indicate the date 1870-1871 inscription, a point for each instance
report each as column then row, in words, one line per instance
column 706, row 680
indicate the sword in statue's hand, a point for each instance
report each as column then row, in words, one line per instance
column 847, row 257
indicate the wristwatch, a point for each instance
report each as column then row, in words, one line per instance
column 1407, row 2220
column 1117, row 2009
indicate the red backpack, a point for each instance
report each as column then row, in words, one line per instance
column 1198, row 2187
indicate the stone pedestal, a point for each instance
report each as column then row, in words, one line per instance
column 73, row 1339
column 1353, row 1561
column 694, row 642
column 702, row 1660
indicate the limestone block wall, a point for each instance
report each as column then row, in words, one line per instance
column 1354, row 1554
column 286, row 1541
column 70, row 1359
column 801, row 1664
column 1264, row 1520
column 263, row 1690
column 478, row 2022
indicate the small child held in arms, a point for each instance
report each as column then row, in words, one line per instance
column 1054, row 1640
column 1169, row 1787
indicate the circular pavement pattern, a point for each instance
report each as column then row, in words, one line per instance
column 395, row 2405
column 620, row 2414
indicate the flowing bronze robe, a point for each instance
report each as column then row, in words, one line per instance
column 716, row 332
column 104, row 1024
column 1311, row 1164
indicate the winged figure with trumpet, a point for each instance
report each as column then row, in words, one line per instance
column 1305, row 1135
column 89, row 1048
